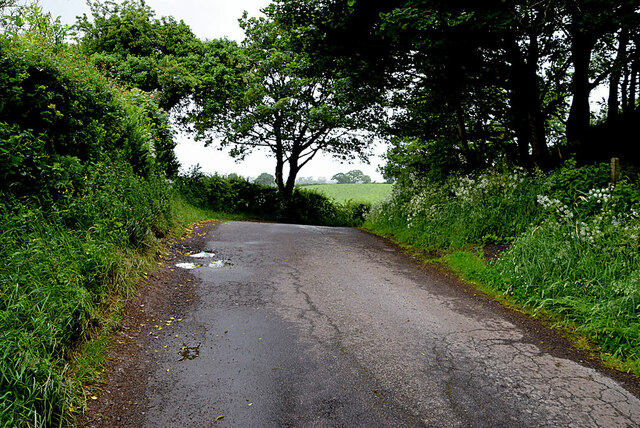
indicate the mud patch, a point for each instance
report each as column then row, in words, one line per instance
column 491, row 251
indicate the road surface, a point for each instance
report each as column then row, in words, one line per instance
column 314, row 326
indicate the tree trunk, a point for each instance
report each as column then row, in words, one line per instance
column 462, row 133
column 634, row 83
column 526, row 106
column 279, row 166
column 614, row 81
column 290, row 185
column 535, row 116
column 580, row 112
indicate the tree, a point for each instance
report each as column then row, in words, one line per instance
column 278, row 107
column 341, row 178
column 444, row 66
column 484, row 81
column 353, row 176
column 128, row 44
column 357, row 176
column 265, row 179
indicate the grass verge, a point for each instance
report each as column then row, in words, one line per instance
column 469, row 266
column 88, row 358
column 572, row 246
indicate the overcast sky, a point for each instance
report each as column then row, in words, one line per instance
column 210, row 19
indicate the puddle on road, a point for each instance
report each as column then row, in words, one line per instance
column 189, row 352
column 213, row 264
column 202, row 255
column 186, row 265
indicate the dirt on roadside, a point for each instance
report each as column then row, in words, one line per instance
column 120, row 399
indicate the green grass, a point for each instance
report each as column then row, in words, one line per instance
column 368, row 193
column 185, row 213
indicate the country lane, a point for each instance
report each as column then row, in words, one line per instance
column 314, row 326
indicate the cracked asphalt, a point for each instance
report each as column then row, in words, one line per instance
column 316, row 326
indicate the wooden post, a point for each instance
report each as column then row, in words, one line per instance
column 615, row 171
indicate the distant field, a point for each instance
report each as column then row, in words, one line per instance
column 373, row 192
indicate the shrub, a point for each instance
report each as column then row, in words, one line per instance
column 62, row 262
column 582, row 261
column 234, row 194
column 80, row 193
column 492, row 206
column 55, row 104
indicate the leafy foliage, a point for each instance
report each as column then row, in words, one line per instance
column 265, row 179
column 234, row 194
column 82, row 195
column 279, row 108
column 470, row 85
column 128, row 44
column 55, row 106
column 353, row 176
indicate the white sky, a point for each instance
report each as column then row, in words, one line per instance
column 210, row 19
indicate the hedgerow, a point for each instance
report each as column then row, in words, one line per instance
column 237, row 195
column 82, row 195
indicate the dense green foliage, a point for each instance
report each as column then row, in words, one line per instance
column 63, row 261
column 470, row 86
column 265, row 179
column 56, row 109
column 277, row 106
column 367, row 193
column 572, row 241
column 82, row 199
column 86, row 151
column 353, row 176
column 473, row 83
column 235, row 194
column 160, row 55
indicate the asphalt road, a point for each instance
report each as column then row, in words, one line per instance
column 314, row 326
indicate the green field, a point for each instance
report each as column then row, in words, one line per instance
column 372, row 192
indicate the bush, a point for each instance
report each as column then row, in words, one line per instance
column 80, row 194
column 63, row 260
column 54, row 105
column 582, row 260
column 234, row 194
column 489, row 207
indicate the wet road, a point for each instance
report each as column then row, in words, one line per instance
column 312, row 326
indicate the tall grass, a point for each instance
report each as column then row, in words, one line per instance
column 572, row 242
column 492, row 207
column 63, row 259
column 82, row 205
